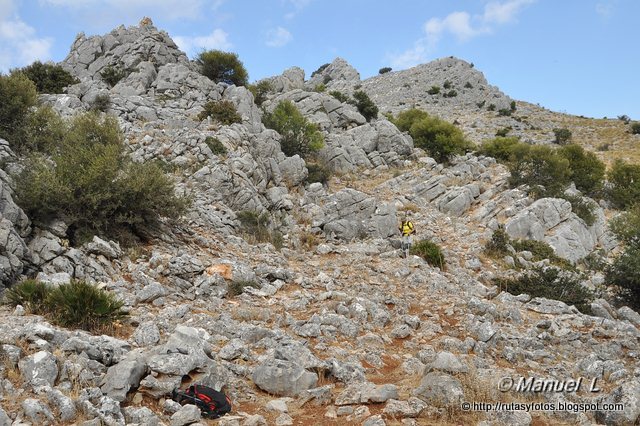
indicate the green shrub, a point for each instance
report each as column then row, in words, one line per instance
column 512, row 105
column 539, row 249
column 44, row 130
column 624, row 274
column 101, row 102
column 441, row 139
column 339, row 96
column 48, row 77
column 635, row 128
column 318, row 172
column 223, row 67
column 502, row 133
column 319, row 70
column 450, row 94
column 223, row 112
column 74, row 305
column 498, row 245
column 491, row 107
column 215, row 145
column 480, row 104
column 586, row 170
column 299, row 136
column 79, row 304
column 626, row 226
column 406, row 119
column 365, row 105
column 236, row 288
column 583, row 208
column 541, row 168
column 447, row 84
column 92, row 185
column 563, row 136
column 551, row 283
column 624, row 184
column 31, row 294
column 260, row 91
column 430, row 252
column 434, row 90
column 17, row 95
column 256, row 228
column 503, row 112
column 113, row 74
column 468, row 85
column 320, row 88
column 384, row 70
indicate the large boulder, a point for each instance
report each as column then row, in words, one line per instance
column 283, row 378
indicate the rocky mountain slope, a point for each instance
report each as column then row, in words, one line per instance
column 338, row 329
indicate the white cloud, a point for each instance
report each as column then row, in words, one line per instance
column 278, row 37
column 461, row 25
column 605, row 8
column 19, row 43
column 298, row 6
column 218, row 40
column 503, row 13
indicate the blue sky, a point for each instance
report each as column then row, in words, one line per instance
column 575, row 56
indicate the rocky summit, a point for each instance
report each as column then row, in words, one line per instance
column 324, row 322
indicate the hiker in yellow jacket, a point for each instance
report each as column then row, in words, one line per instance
column 407, row 229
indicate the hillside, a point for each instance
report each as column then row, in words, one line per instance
column 293, row 296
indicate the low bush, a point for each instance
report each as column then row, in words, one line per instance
column 500, row 148
column 44, row 131
column 582, row 207
column 503, row 112
column 539, row 167
column 441, row 139
column 101, row 103
column 91, row 184
column 434, row 90
column 215, row 145
column 319, row 70
column 320, row 88
column 551, row 283
column 491, row 107
column 223, row 67
column 562, row 136
column 260, row 91
column 365, row 105
column 223, row 112
column 430, row 252
column 624, row 275
column 512, row 105
column 586, row 169
column 450, row 94
column 539, row 249
column 447, row 85
column 498, row 245
column 236, row 288
column 635, row 128
column 256, row 229
column 77, row 304
column 384, row 70
column 48, row 77
column 624, row 184
column 113, row 74
column 339, row 96
column 299, row 136
column 318, row 172
column 31, row 294
column 502, row 133
column 468, row 85
column 626, row 226
column 18, row 94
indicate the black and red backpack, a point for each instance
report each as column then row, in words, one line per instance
column 212, row 404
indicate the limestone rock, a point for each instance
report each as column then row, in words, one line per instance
column 283, row 378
